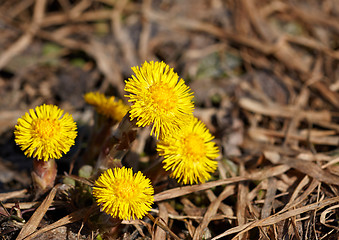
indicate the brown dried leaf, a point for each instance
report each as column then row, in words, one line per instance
column 14, row 194
column 39, row 213
column 180, row 191
column 313, row 170
column 276, row 110
column 163, row 215
column 278, row 217
column 323, row 216
column 70, row 218
column 212, row 210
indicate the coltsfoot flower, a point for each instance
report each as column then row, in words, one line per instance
column 44, row 133
column 190, row 153
column 158, row 98
column 123, row 194
column 107, row 106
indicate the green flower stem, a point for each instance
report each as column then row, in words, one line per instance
column 116, row 146
column 156, row 172
column 43, row 175
column 100, row 133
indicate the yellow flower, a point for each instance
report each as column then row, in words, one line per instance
column 190, row 153
column 158, row 98
column 123, row 194
column 107, row 106
column 44, row 133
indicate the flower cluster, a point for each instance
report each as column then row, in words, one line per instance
column 44, row 133
column 160, row 98
column 107, row 106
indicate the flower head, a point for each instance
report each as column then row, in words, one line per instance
column 44, row 133
column 158, row 98
column 107, row 106
column 123, row 194
column 190, row 153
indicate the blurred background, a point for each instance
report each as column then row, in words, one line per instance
column 253, row 65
